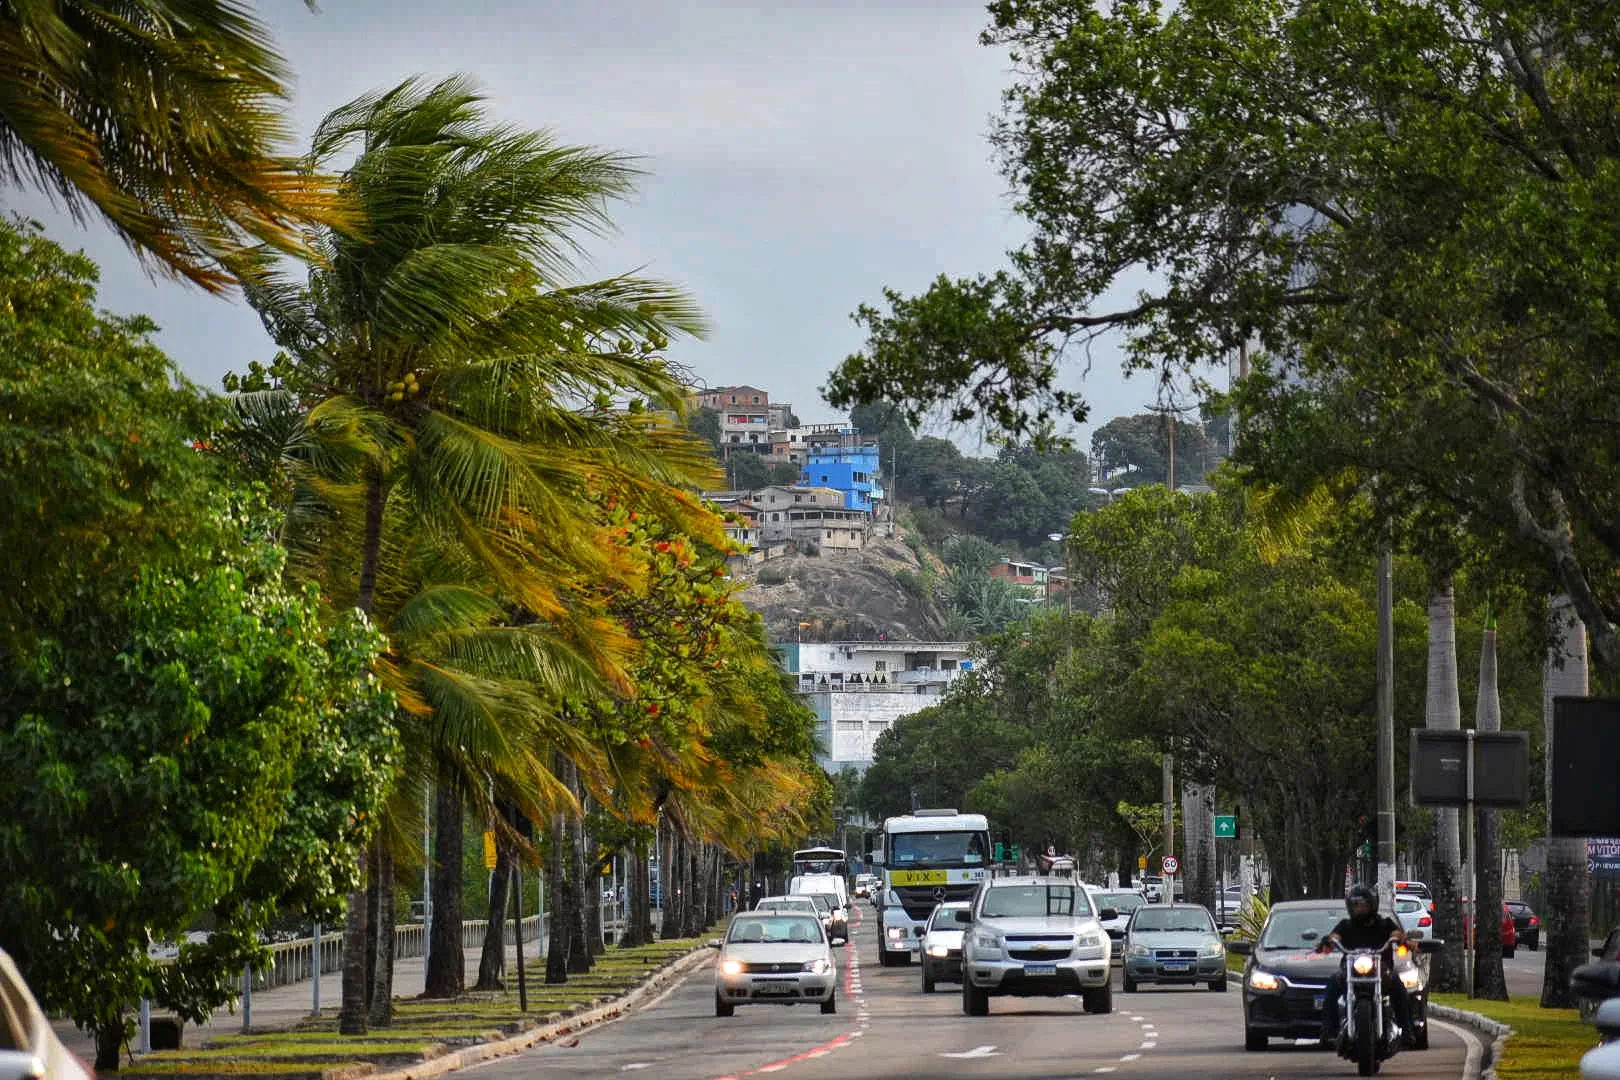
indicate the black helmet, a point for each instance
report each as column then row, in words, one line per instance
column 1361, row 894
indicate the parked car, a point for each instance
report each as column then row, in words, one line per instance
column 941, row 955
column 774, row 957
column 1510, row 935
column 1123, row 902
column 1417, row 889
column 1173, row 943
column 1527, row 923
column 1412, row 912
column 28, row 1045
column 1285, row 979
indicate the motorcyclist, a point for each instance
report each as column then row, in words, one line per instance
column 1364, row 928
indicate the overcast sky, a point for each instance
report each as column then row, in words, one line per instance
column 801, row 156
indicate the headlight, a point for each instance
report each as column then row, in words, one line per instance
column 818, row 966
column 987, row 942
column 1412, row 979
column 896, row 932
column 731, row 967
column 1263, row 980
column 1088, row 941
column 1212, row 952
column 1141, row 950
column 1362, row 965
column 938, row 950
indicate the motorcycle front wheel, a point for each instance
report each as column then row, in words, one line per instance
column 1366, row 1038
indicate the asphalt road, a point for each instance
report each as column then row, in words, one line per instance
column 886, row 1027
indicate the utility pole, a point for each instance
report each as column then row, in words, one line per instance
column 1386, row 730
column 1169, row 893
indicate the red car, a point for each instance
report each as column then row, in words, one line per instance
column 1510, row 933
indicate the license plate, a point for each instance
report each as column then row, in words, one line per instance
column 1177, row 965
column 1319, row 999
column 777, row 988
column 1040, row 969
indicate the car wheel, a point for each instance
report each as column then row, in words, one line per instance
column 883, row 955
column 927, row 980
column 1508, row 951
column 1219, row 985
column 1100, row 1000
column 1129, row 983
column 830, row 1006
column 975, row 1002
column 1253, row 1040
column 721, row 1006
column 1534, row 945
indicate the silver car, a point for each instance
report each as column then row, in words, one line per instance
column 1123, row 902
column 941, row 956
column 1173, row 943
column 774, row 958
column 1035, row 937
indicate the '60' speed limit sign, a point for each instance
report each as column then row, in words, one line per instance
column 1170, row 864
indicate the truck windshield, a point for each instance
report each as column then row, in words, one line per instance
column 938, row 849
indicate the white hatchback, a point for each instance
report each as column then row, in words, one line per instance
column 774, row 958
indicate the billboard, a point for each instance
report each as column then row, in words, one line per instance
column 1603, row 856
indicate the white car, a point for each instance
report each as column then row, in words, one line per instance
column 941, row 955
column 774, row 957
column 864, row 884
column 1123, row 902
column 1412, row 912
column 28, row 1044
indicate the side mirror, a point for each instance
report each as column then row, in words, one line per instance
column 1240, row 948
column 714, row 943
column 1108, row 913
column 1607, row 1019
column 963, row 917
column 1429, row 945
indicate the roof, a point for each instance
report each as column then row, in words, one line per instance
column 936, row 823
column 1034, row 879
column 1336, row 903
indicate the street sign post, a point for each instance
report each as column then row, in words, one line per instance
column 1170, row 865
column 1141, row 862
column 1225, row 826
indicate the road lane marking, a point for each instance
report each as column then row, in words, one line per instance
column 976, row 1052
column 636, row 1065
column 1129, row 1057
column 1136, row 1018
column 1147, row 1046
column 1103, row 1069
column 1476, row 1048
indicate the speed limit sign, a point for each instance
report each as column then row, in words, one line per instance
column 1170, row 864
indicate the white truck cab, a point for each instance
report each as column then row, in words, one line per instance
column 925, row 858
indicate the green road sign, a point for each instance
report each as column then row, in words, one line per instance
column 1225, row 826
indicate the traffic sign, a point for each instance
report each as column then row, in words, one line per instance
column 1170, row 864
column 489, row 851
column 1225, row 826
column 1141, row 862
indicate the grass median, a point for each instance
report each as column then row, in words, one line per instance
column 1546, row 1043
column 422, row 1029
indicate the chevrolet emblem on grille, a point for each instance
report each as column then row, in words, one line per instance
column 1040, row 946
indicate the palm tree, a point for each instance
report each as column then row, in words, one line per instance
column 1567, row 902
column 447, row 344
column 1443, row 710
column 163, row 117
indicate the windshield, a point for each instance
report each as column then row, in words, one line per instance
column 945, row 919
column 1173, row 919
column 774, row 929
column 938, row 849
column 1034, row 901
column 1122, row 902
column 1298, row 929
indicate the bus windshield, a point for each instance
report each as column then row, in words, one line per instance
column 820, row 861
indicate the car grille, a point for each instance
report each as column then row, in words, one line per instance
column 1039, row 946
column 1175, row 954
column 771, row 969
column 1038, row 954
column 1299, row 1003
column 919, row 900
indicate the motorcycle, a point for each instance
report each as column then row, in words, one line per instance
column 1368, row 1034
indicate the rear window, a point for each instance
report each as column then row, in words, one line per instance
column 1404, row 907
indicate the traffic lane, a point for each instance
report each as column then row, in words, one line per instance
column 1524, row 972
column 677, row 1035
column 1201, row 1034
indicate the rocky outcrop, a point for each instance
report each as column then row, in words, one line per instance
column 843, row 595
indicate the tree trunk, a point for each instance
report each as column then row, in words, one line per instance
column 109, row 1041
column 594, row 928
column 694, row 892
column 352, row 1014
column 1565, row 912
column 490, row 961
column 356, row 975
column 1198, row 844
column 670, row 882
column 382, row 983
column 446, row 975
column 584, row 892
column 373, row 919
column 561, row 917
column 1490, row 982
column 1443, row 711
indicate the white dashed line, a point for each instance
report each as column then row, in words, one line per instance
column 1103, row 1069
column 1129, row 1057
column 1136, row 1018
column 1147, row 1046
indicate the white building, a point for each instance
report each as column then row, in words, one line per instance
column 858, row 689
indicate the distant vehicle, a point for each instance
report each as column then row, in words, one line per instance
column 1418, row 889
column 28, row 1044
column 1173, row 943
column 1527, row 923
column 864, row 884
column 833, row 915
column 1035, row 937
column 941, row 959
column 1510, row 934
column 1412, row 912
column 821, row 860
column 1123, row 902
column 928, row 857
column 774, row 958
column 835, row 884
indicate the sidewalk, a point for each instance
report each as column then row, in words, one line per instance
column 287, row 1005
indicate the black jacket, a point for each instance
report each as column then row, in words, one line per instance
column 1366, row 935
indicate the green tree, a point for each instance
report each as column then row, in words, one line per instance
column 184, row 738
column 88, row 109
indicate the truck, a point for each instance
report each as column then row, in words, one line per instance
column 924, row 858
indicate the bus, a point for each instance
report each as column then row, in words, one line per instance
column 820, row 860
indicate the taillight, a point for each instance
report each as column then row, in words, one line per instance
column 1425, row 921
column 1534, row 921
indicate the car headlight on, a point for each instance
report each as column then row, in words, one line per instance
column 1141, row 950
column 731, row 967
column 818, row 966
column 986, row 943
column 1362, row 965
column 1412, row 979
column 938, row 950
column 896, row 932
column 1263, row 980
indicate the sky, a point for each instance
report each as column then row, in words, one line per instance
column 799, row 158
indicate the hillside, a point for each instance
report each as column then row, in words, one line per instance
column 853, row 595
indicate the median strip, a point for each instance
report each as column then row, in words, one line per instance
column 432, row 1037
column 1531, row 1043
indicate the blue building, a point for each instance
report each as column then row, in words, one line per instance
column 851, row 469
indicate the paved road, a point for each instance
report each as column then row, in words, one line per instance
column 886, row 1027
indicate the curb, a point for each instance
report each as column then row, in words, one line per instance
column 523, row 1040
column 1497, row 1032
